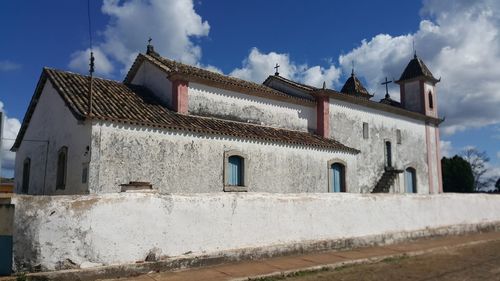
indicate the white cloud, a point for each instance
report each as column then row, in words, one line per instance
column 7, row 65
column 460, row 42
column 171, row 23
column 446, row 148
column 258, row 66
column 80, row 62
column 11, row 127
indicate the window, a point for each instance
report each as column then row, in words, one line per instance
column 398, row 136
column 431, row 102
column 85, row 172
column 365, row 130
column 26, row 175
column 388, row 154
column 235, row 169
column 336, row 177
column 62, row 159
column 410, row 180
column 235, row 176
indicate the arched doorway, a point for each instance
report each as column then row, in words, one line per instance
column 337, row 182
column 411, row 180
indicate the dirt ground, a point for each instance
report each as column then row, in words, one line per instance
column 473, row 262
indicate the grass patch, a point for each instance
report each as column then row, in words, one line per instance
column 290, row 275
column 394, row 260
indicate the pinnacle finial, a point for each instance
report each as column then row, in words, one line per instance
column 352, row 71
column 324, row 85
column 150, row 49
column 276, row 67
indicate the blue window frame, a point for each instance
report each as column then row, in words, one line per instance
column 337, row 178
column 235, row 170
column 410, row 180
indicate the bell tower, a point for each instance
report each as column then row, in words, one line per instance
column 418, row 88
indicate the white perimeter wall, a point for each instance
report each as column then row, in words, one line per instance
column 346, row 126
column 210, row 101
column 124, row 228
column 178, row 162
column 52, row 121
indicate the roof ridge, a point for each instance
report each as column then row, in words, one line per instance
column 79, row 74
column 231, row 80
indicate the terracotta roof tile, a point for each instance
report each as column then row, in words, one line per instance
column 354, row 87
column 126, row 103
column 177, row 68
column 417, row 68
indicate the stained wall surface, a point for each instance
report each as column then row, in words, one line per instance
column 346, row 126
column 176, row 162
column 53, row 126
column 209, row 101
column 126, row 227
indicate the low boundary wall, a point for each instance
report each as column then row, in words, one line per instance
column 62, row 232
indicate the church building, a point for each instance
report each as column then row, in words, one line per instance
column 175, row 128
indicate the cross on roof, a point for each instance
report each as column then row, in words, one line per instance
column 149, row 40
column 386, row 83
column 276, row 67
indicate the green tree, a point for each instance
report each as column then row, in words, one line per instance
column 497, row 185
column 457, row 175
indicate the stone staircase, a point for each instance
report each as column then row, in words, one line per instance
column 386, row 181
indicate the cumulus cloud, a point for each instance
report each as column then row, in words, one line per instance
column 171, row 23
column 459, row 41
column 10, row 129
column 258, row 66
column 7, row 65
column 446, row 148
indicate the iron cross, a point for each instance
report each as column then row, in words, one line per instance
column 149, row 41
column 386, row 86
column 276, row 67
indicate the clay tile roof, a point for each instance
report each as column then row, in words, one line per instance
column 354, row 87
column 417, row 68
column 219, row 80
column 125, row 103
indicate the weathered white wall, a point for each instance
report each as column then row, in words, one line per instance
column 346, row 126
column 178, row 162
column 155, row 80
column 52, row 121
column 210, row 101
column 124, row 228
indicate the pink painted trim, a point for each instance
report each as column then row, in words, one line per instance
column 438, row 156
column 323, row 116
column 180, row 96
column 429, row 168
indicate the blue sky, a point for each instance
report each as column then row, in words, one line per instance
column 314, row 41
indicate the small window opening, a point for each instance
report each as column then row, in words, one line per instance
column 365, row 130
column 26, row 176
column 431, row 102
column 62, row 159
